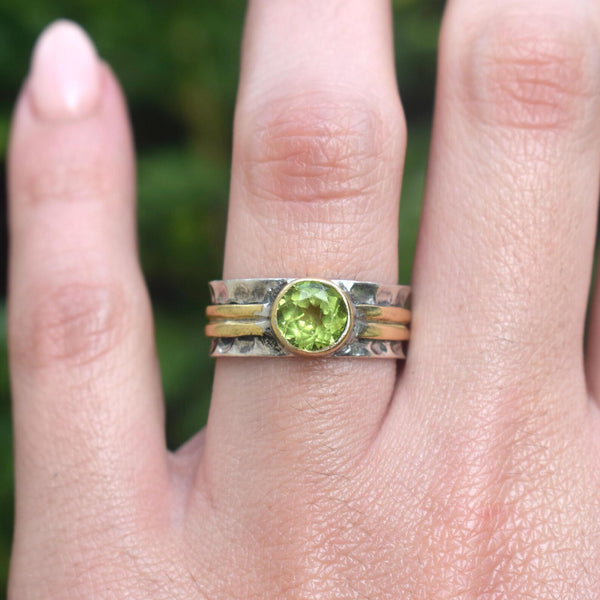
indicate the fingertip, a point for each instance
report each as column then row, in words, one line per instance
column 103, row 135
column 65, row 74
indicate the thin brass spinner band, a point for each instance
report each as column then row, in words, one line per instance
column 233, row 320
column 386, row 314
column 229, row 329
column 233, row 311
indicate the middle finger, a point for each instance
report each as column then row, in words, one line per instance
column 318, row 148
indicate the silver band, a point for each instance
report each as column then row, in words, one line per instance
column 241, row 319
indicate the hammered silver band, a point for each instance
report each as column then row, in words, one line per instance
column 241, row 320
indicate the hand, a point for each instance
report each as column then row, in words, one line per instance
column 472, row 473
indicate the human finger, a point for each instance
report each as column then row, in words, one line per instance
column 87, row 405
column 505, row 250
column 318, row 151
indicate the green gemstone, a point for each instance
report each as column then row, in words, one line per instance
column 312, row 316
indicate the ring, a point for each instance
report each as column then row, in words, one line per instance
column 308, row 317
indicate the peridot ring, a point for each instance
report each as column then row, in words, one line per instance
column 308, row 317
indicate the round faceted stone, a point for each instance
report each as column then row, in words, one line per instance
column 311, row 316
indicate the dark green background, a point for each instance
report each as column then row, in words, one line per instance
column 178, row 63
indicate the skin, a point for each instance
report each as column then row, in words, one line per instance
column 471, row 472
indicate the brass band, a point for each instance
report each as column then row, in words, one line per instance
column 234, row 320
column 242, row 322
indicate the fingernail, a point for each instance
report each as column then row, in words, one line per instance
column 65, row 72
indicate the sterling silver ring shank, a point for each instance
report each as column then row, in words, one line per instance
column 308, row 317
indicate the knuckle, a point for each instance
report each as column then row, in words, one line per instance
column 533, row 74
column 71, row 180
column 506, row 536
column 320, row 147
column 74, row 324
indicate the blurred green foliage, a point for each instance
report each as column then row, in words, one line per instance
column 178, row 63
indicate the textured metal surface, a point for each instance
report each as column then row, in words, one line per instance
column 264, row 292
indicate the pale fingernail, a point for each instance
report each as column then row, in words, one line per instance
column 65, row 72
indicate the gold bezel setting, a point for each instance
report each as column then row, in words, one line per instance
column 325, row 351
